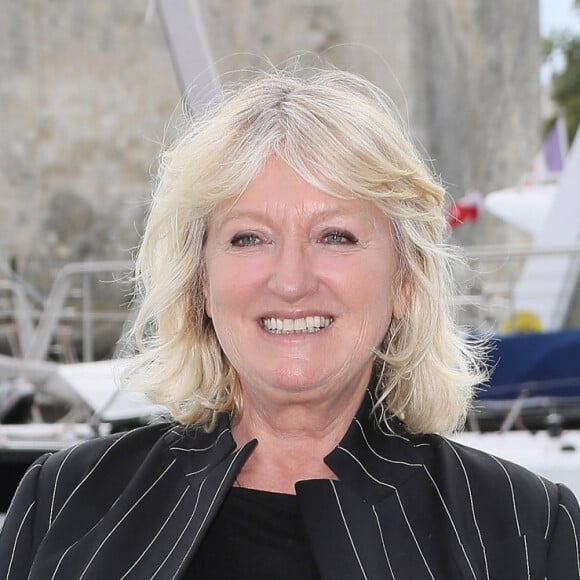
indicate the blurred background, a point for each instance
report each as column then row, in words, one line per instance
column 89, row 92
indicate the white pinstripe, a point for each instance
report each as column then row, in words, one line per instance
column 549, row 508
column 74, row 544
column 17, row 536
column 209, row 508
column 512, row 492
column 198, row 471
column 400, row 504
column 195, row 449
column 190, row 520
column 472, row 506
column 62, row 558
column 348, row 530
column 575, row 536
column 56, row 482
column 86, row 476
column 26, row 475
column 378, row 454
column 389, row 433
column 398, row 436
column 383, row 542
column 527, row 556
column 383, row 483
column 124, row 517
column 452, row 522
column 57, row 509
column 413, row 534
column 182, row 531
column 157, row 534
column 459, row 541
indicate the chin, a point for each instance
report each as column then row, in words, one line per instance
column 297, row 378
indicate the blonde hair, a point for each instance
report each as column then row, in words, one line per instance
column 339, row 133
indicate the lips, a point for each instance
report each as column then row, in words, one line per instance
column 305, row 325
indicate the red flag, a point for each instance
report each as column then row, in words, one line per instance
column 465, row 209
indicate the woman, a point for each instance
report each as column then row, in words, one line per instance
column 295, row 321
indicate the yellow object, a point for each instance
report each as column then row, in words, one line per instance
column 522, row 321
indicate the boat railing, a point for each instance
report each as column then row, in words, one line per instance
column 71, row 305
column 490, row 293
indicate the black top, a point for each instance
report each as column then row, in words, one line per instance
column 256, row 535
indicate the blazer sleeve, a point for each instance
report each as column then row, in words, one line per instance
column 564, row 540
column 18, row 537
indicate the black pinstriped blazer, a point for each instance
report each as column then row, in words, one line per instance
column 405, row 508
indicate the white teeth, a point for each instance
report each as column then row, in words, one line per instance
column 309, row 324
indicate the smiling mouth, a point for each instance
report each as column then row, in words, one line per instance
column 307, row 325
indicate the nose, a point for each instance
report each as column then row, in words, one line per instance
column 293, row 273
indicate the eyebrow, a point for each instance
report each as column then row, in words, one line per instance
column 261, row 216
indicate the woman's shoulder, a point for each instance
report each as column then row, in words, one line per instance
column 98, row 470
column 533, row 502
column 90, row 487
column 487, row 465
column 513, row 495
column 486, row 482
column 130, row 445
column 446, row 462
column 486, row 471
column 121, row 455
column 103, row 463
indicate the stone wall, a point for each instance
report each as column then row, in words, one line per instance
column 464, row 72
column 87, row 89
column 480, row 89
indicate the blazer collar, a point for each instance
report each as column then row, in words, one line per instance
column 389, row 480
column 343, row 518
column 370, row 458
column 210, row 463
column 374, row 459
column 373, row 464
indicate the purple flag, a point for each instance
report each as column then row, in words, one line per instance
column 555, row 147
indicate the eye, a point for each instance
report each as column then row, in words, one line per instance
column 337, row 237
column 244, row 240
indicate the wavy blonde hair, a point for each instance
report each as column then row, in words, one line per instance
column 339, row 132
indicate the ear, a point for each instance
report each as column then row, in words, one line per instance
column 206, row 293
column 401, row 301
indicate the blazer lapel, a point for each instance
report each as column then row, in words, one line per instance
column 158, row 522
column 343, row 518
column 210, row 484
column 390, row 515
column 343, row 531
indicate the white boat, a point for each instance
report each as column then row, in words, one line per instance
column 46, row 407
column 556, row 458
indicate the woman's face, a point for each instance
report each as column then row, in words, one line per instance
column 299, row 285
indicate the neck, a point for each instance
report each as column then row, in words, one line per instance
column 293, row 438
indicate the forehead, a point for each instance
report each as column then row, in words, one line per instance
column 278, row 193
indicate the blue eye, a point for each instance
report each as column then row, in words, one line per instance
column 243, row 240
column 339, row 238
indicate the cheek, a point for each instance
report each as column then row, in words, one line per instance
column 231, row 288
column 382, row 302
